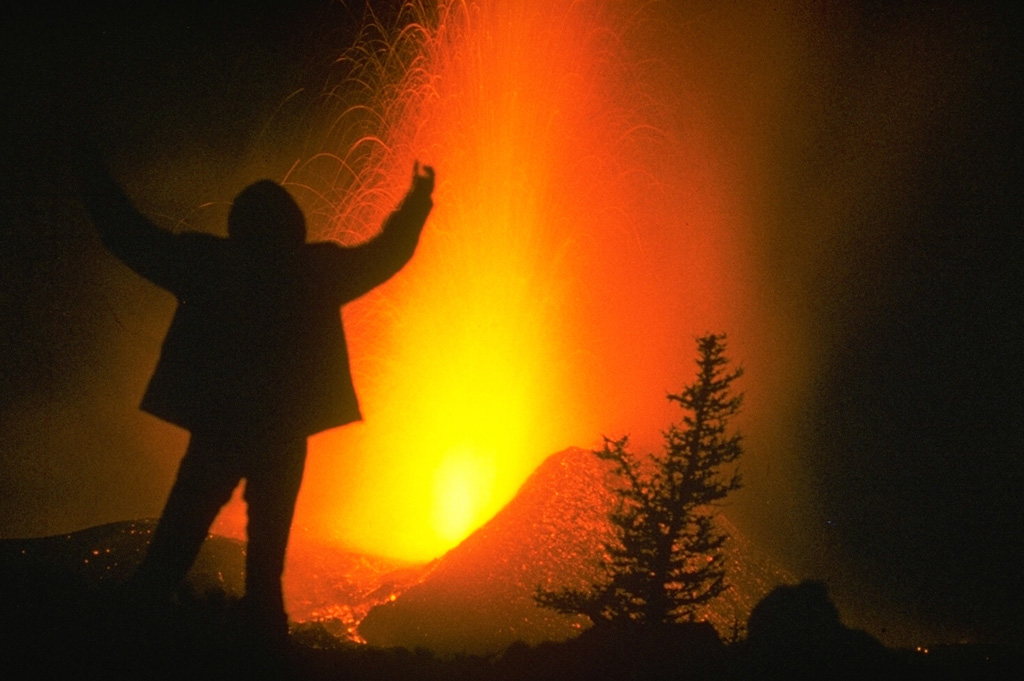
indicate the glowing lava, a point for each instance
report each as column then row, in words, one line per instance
column 524, row 322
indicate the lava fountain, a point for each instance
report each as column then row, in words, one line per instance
column 534, row 315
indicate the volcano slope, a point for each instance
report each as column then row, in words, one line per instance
column 479, row 596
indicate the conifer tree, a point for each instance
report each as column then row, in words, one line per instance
column 666, row 559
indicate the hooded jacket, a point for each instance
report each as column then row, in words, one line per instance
column 256, row 343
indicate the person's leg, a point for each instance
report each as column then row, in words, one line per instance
column 204, row 484
column 271, row 488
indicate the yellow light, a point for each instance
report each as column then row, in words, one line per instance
column 463, row 486
column 529, row 319
column 462, row 360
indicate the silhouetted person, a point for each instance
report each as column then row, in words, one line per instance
column 254, row 361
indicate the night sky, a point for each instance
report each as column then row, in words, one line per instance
column 870, row 152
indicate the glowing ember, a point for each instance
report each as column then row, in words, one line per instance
column 550, row 533
column 528, row 319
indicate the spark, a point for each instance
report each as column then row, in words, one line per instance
column 469, row 362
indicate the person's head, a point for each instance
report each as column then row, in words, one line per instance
column 264, row 213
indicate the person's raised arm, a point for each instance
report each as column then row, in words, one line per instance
column 127, row 233
column 374, row 262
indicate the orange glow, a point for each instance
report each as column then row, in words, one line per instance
column 534, row 314
column 463, row 374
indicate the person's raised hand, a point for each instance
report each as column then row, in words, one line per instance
column 422, row 182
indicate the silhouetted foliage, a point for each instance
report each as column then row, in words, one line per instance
column 795, row 632
column 666, row 558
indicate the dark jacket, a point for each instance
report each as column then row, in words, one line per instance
column 256, row 342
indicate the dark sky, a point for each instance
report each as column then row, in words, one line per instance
column 915, row 426
column 911, row 431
